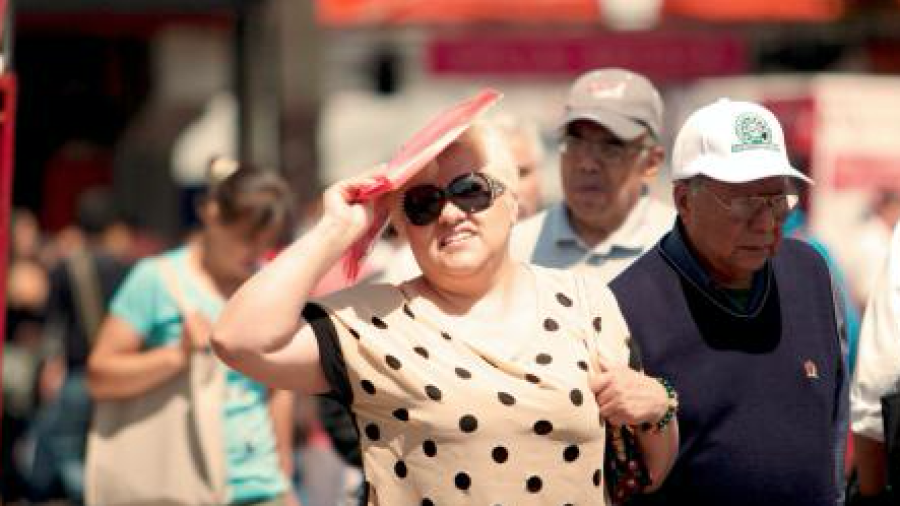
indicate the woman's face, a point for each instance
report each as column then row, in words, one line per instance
column 459, row 243
column 233, row 251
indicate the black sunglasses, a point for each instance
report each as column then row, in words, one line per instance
column 472, row 193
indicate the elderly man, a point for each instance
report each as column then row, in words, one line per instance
column 610, row 151
column 742, row 323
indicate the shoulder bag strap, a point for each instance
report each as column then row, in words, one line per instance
column 85, row 283
column 207, row 384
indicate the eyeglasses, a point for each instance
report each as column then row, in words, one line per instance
column 472, row 193
column 745, row 208
column 608, row 152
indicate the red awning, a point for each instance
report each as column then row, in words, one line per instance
column 757, row 10
column 377, row 12
column 388, row 12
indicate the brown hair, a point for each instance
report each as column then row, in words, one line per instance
column 250, row 196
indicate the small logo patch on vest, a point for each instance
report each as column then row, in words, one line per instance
column 812, row 372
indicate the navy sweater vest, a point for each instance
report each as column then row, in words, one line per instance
column 758, row 394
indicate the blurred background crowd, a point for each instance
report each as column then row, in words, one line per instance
column 123, row 103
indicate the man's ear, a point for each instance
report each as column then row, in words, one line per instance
column 653, row 160
column 681, row 197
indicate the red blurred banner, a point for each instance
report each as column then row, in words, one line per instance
column 663, row 57
column 378, row 12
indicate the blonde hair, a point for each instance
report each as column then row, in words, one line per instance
column 491, row 145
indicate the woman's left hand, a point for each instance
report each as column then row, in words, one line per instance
column 628, row 397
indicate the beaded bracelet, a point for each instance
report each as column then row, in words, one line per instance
column 671, row 408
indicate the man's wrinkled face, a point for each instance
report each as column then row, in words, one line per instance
column 735, row 228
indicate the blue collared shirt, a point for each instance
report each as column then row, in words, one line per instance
column 549, row 240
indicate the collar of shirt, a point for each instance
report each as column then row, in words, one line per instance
column 675, row 249
column 628, row 237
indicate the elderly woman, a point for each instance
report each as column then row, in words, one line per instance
column 471, row 384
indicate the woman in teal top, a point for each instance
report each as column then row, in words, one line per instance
column 146, row 340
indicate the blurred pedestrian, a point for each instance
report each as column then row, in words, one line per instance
column 146, row 340
column 527, row 149
column 743, row 323
column 610, row 152
column 81, row 288
column 877, row 376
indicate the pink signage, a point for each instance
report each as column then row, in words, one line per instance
column 661, row 56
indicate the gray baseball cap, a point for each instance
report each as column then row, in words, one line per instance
column 622, row 101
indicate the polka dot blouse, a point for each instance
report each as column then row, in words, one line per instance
column 445, row 419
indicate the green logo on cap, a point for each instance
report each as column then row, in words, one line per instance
column 753, row 132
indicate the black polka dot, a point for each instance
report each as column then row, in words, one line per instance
column 354, row 333
column 429, row 447
column 543, row 427
column 427, row 502
column 551, row 325
column 401, row 414
column 565, row 301
column 532, row 378
column 372, row 432
column 433, row 392
column 368, row 387
column 400, row 469
column 393, row 362
column 582, row 365
column 468, row 423
column 378, row 322
column 506, row 398
column 576, row 397
column 597, row 478
column 445, row 336
column 598, row 323
column 462, row 481
column 421, row 351
column 408, row 311
column 543, row 359
column 534, row 484
column 463, row 373
column 571, row 453
column 499, row 454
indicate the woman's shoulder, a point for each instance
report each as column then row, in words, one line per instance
column 366, row 298
column 585, row 281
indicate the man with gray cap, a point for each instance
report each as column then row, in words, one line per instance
column 610, row 151
column 742, row 323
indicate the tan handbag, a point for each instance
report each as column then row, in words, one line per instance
column 166, row 446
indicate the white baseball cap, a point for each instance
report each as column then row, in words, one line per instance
column 732, row 142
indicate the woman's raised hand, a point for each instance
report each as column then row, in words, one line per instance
column 340, row 209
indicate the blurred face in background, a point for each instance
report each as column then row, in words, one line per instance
column 528, row 159
column 234, row 251
column 603, row 176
